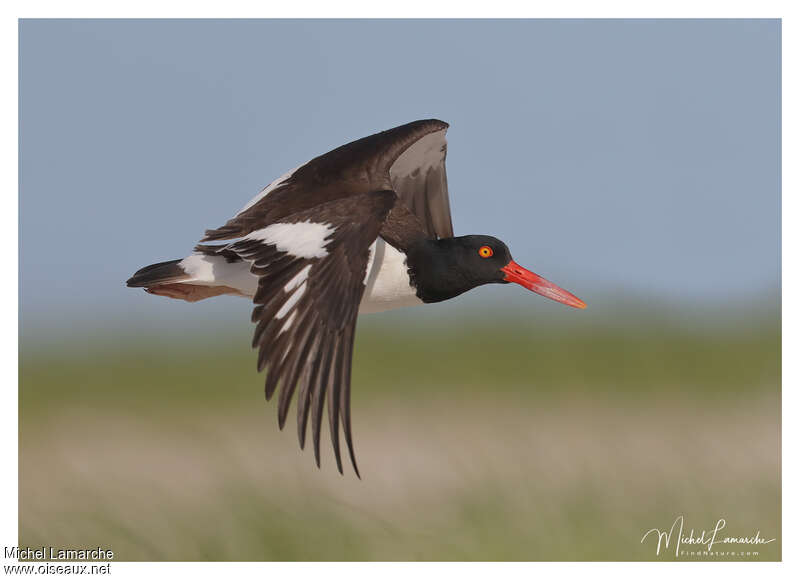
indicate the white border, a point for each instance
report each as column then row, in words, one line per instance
column 412, row 8
column 405, row 9
column 8, row 312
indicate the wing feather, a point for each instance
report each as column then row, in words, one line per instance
column 410, row 159
column 305, row 338
column 420, row 180
column 305, row 310
column 333, row 401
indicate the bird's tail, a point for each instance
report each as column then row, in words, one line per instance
column 156, row 274
column 201, row 275
column 168, row 279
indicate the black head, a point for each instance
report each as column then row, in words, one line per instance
column 443, row 269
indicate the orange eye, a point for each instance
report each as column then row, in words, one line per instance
column 485, row 252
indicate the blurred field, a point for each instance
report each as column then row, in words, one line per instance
column 477, row 440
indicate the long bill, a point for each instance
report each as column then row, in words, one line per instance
column 519, row 275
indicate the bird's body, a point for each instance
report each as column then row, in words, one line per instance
column 386, row 282
column 364, row 228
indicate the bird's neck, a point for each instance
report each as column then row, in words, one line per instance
column 434, row 272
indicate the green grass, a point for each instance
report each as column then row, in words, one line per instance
column 486, row 441
column 469, row 357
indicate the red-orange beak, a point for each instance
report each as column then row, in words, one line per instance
column 516, row 273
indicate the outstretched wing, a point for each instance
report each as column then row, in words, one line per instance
column 420, row 180
column 311, row 267
column 409, row 159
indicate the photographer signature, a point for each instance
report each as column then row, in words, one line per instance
column 708, row 537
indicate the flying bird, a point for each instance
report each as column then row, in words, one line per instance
column 363, row 228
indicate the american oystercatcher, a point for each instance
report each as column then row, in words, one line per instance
column 363, row 228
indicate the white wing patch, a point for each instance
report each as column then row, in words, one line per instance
column 291, row 301
column 288, row 324
column 298, row 283
column 299, row 278
column 302, row 239
column 266, row 191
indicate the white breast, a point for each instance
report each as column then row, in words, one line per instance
column 387, row 282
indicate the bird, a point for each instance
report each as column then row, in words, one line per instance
column 363, row 228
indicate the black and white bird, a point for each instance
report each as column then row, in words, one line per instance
column 363, row 228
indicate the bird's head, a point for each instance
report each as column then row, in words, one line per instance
column 442, row 269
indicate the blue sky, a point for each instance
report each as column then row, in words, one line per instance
column 614, row 157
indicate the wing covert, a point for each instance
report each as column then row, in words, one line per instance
column 408, row 159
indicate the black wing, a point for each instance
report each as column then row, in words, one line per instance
column 311, row 267
column 408, row 159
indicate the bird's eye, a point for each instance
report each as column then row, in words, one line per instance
column 485, row 252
